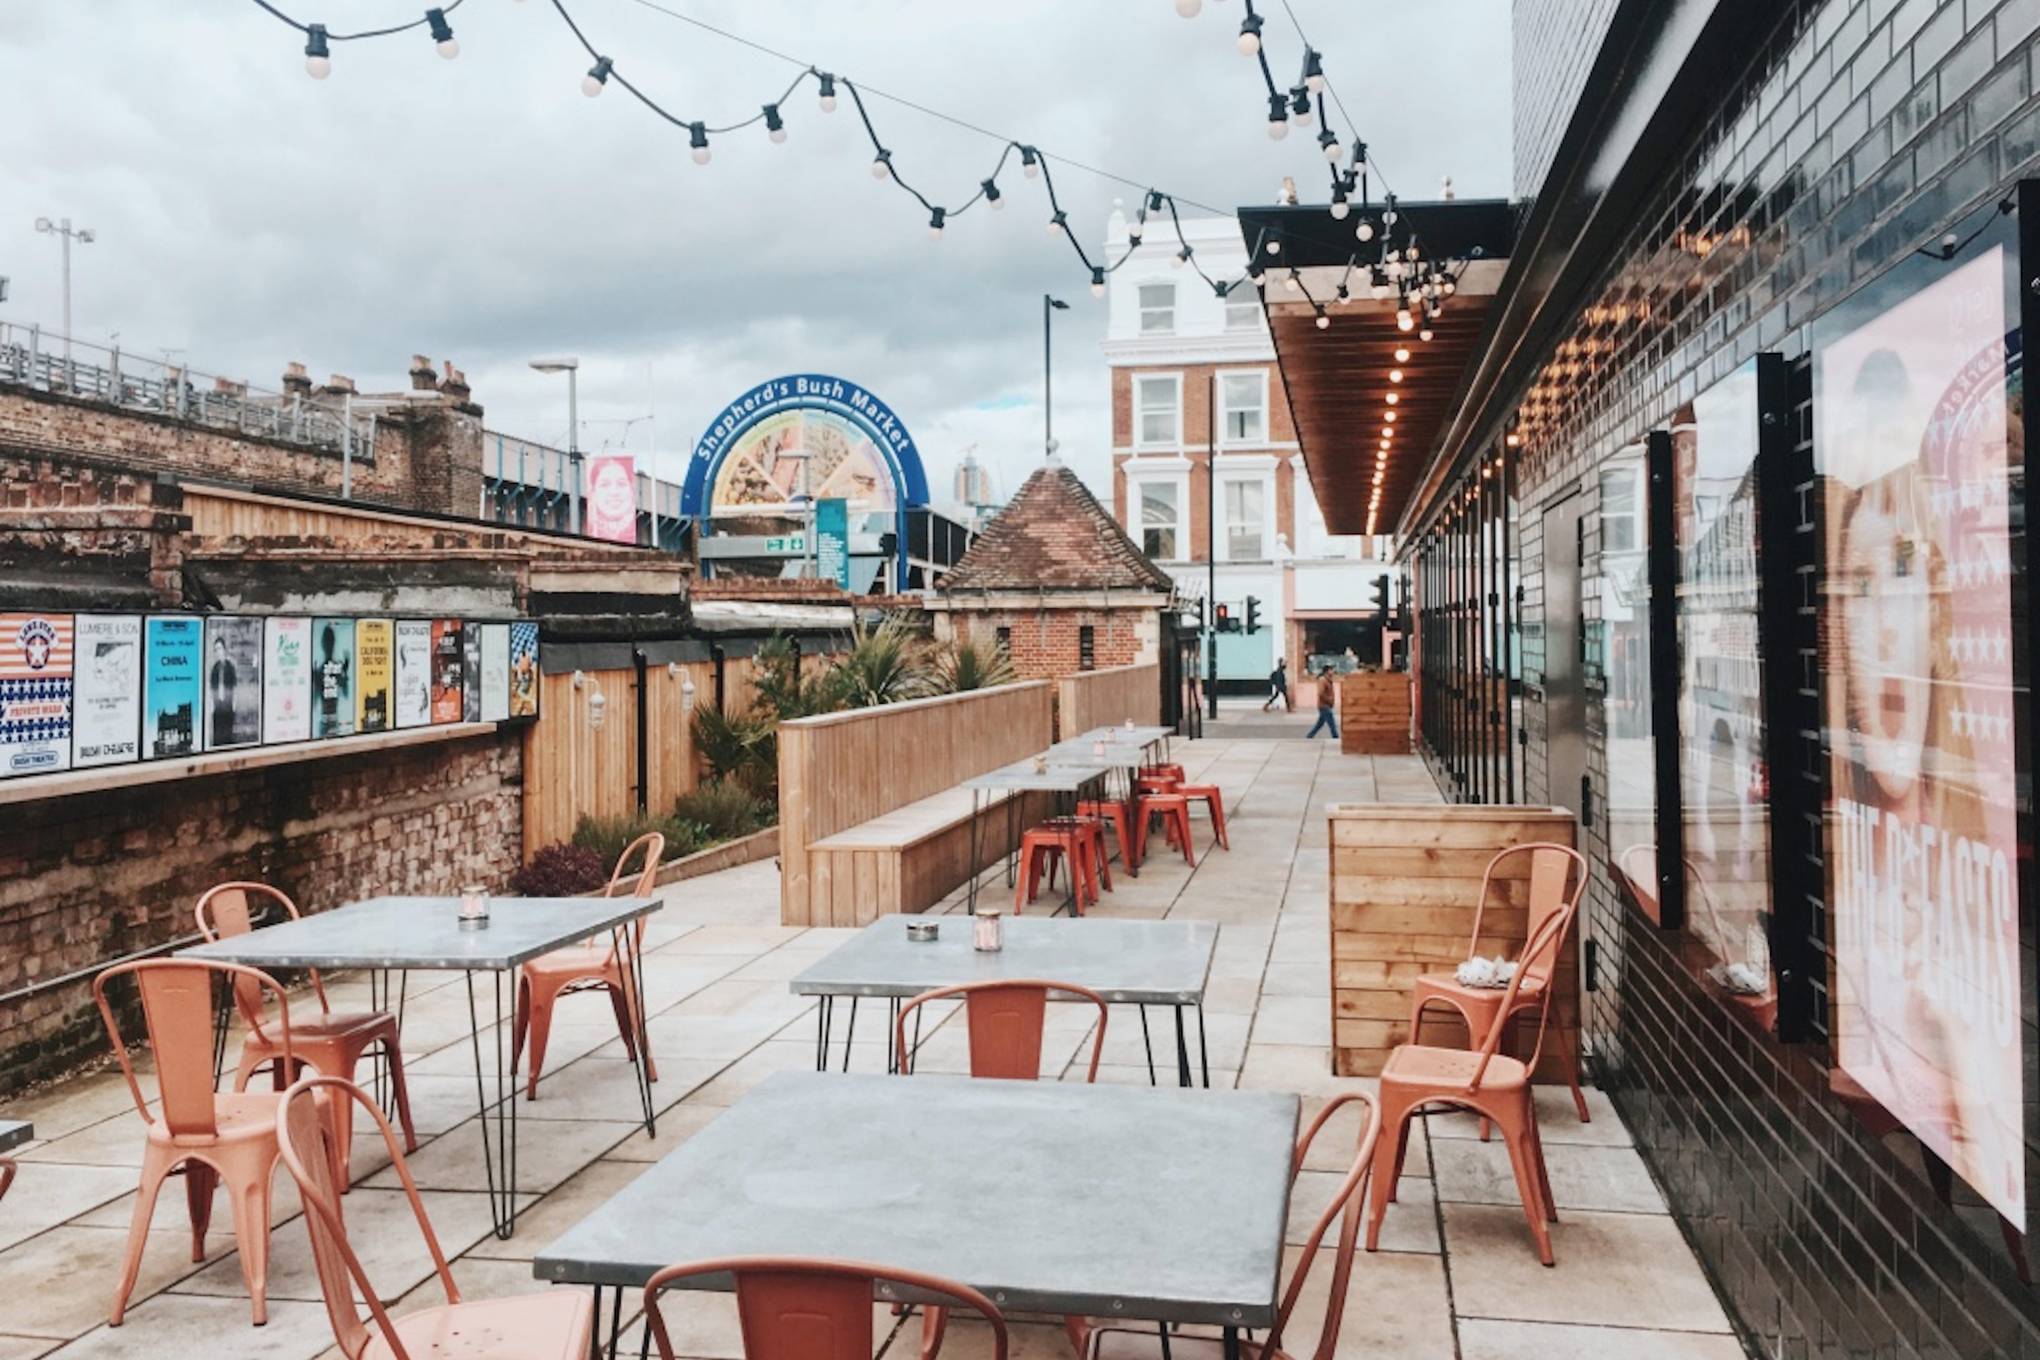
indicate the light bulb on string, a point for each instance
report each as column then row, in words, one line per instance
column 1328, row 142
column 1056, row 223
column 1182, row 257
column 1189, row 9
column 1249, row 41
column 1365, row 230
column 1393, row 398
column 697, row 138
column 318, row 57
column 881, row 164
column 597, row 78
column 1402, row 354
column 775, row 126
column 1299, row 106
column 1323, row 322
column 1274, row 247
column 1294, row 282
column 1403, row 320
column 1278, row 117
column 1425, row 335
column 1030, row 162
column 1313, row 71
column 1395, row 375
column 993, row 196
column 442, row 34
column 827, row 96
column 1097, row 282
column 936, row 216
column 1340, row 207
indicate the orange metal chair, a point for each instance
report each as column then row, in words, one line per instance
column 1174, row 810
column 794, row 1309
column 547, row 1324
column 6, row 1175
column 1495, row 1087
column 1111, row 811
column 332, row 1042
column 213, row 1135
column 1056, row 841
column 1558, row 879
column 594, row 966
column 1346, row 1208
column 1214, row 803
column 1005, row 1020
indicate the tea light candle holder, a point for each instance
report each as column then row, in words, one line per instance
column 474, row 908
column 1098, row 748
column 988, row 930
column 1041, row 764
column 1129, row 724
column 922, row 932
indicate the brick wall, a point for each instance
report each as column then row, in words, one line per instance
column 88, row 534
column 1197, row 402
column 93, row 876
column 1861, row 130
column 1045, row 643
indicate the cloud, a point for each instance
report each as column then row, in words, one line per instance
column 484, row 210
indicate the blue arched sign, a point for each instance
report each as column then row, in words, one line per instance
column 806, row 434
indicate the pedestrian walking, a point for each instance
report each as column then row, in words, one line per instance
column 1278, row 685
column 1327, row 701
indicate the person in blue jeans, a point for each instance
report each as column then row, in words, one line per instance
column 1326, row 700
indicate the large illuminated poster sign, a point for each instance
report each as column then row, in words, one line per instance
column 611, row 510
column 1913, row 408
column 806, row 435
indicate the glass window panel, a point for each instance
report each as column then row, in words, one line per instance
column 1157, row 410
column 1157, row 308
column 1243, row 313
column 1245, row 401
column 1158, row 519
column 1624, row 628
column 1245, row 526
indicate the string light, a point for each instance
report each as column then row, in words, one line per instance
column 697, row 138
column 827, row 98
column 442, row 34
column 775, row 126
column 1278, row 117
column 1189, row 9
column 1097, row 282
column 881, row 164
column 318, row 58
column 990, row 189
column 935, row 217
column 597, row 79
column 1250, row 35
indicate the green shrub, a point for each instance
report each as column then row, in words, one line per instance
column 967, row 664
column 608, row 836
column 724, row 809
column 881, row 667
column 741, row 748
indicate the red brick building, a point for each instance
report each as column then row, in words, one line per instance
column 1057, row 582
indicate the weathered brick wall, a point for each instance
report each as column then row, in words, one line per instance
column 1045, row 644
column 87, row 534
column 93, row 876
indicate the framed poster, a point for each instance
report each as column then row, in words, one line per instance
column 286, row 679
column 524, row 669
column 1919, row 451
column 611, row 510
column 332, row 678
column 446, row 671
column 35, row 693
column 106, row 718
column 414, row 672
column 172, row 652
column 495, row 673
column 471, row 672
column 233, row 682
column 374, row 674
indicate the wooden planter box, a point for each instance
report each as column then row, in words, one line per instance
column 1374, row 713
column 1405, row 882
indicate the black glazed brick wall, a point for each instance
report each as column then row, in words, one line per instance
column 1860, row 130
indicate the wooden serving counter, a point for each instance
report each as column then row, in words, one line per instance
column 1374, row 713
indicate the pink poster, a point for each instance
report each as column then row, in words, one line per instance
column 611, row 511
column 1912, row 413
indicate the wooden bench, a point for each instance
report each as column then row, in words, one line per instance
column 911, row 857
column 872, row 815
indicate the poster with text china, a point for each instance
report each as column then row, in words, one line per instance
column 1913, row 406
column 524, row 670
column 446, row 670
column 171, row 650
column 35, row 693
column 332, row 677
column 106, row 694
column 374, row 674
column 414, row 672
column 286, row 680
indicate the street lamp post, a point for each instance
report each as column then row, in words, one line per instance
column 84, row 236
column 572, row 368
column 1049, row 307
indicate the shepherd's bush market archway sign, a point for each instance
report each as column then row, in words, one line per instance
column 749, row 461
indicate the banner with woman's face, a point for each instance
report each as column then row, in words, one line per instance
column 1912, row 413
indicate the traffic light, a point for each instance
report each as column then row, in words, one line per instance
column 1253, row 613
column 1221, row 619
column 1381, row 598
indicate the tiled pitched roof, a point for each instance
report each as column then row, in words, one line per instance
column 1053, row 535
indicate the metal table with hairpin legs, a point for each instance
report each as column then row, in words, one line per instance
column 400, row 934
column 1066, row 782
column 1071, row 1200
column 1133, row 963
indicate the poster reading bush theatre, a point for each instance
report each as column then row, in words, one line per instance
column 414, row 672
column 286, row 680
column 35, row 693
column 495, row 685
column 523, row 670
column 1912, row 411
column 446, row 670
column 233, row 682
column 170, row 686
column 471, row 672
column 373, row 674
column 106, row 721
column 332, row 677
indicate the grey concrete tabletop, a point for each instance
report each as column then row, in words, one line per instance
column 1051, row 1197
column 1137, row 735
column 1162, row 963
column 425, row 933
column 15, row 1132
column 1022, row 777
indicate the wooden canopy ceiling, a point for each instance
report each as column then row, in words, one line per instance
column 1338, row 378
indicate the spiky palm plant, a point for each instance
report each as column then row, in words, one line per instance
column 881, row 666
column 968, row 664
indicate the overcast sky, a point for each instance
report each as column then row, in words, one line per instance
column 484, row 210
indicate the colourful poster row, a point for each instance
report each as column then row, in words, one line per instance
column 79, row 691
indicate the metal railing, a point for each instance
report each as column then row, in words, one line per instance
column 41, row 361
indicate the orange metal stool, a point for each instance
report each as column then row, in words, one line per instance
column 1214, row 803
column 1174, row 810
column 1041, row 848
column 1114, row 812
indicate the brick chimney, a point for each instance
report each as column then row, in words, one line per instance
column 424, row 378
column 455, row 385
column 339, row 385
column 230, row 387
column 296, row 381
